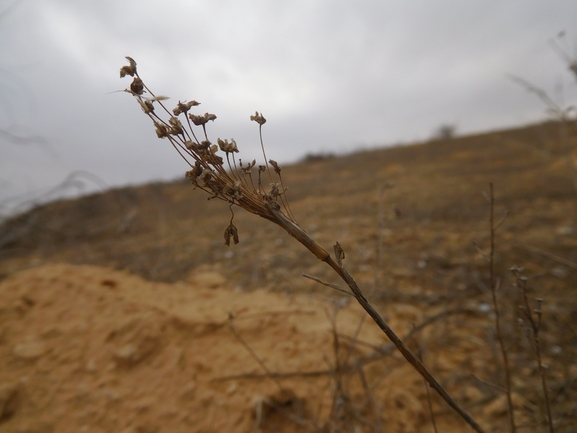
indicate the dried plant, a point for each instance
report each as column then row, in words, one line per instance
column 564, row 53
column 495, row 284
column 429, row 400
column 531, row 319
column 243, row 185
column 564, row 115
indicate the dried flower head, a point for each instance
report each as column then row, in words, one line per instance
column 161, row 130
column 128, row 69
column 146, row 106
column 258, row 118
column 274, row 165
column 176, row 126
column 228, row 147
column 226, row 181
column 183, row 107
column 201, row 120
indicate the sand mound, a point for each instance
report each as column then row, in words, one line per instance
column 88, row 349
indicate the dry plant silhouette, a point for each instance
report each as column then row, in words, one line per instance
column 528, row 317
column 76, row 182
column 258, row 191
column 559, row 112
column 494, row 283
column 571, row 60
column 531, row 318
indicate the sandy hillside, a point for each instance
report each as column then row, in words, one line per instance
column 88, row 349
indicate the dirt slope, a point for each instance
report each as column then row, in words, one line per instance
column 88, row 349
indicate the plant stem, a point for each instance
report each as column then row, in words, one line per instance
column 301, row 236
column 494, row 284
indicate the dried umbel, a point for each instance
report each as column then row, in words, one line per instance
column 213, row 166
column 243, row 185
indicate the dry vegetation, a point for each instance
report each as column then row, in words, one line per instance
column 415, row 225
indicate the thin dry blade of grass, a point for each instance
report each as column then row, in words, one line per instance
column 495, row 284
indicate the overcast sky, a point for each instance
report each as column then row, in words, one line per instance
column 330, row 76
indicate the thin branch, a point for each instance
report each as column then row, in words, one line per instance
column 301, row 236
column 534, row 326
column 489, row 384
column 429, row 400
column 259, row 361
column 549, row 255
column 379, row 352
column 324, row 283
column 494, row 287
column 541, row 94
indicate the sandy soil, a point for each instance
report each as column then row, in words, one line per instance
column 88, row 349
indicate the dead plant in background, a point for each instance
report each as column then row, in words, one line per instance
column 564, row 115
column 259, row 190
column 531, row 319
column 495, row 284
column 564, row 52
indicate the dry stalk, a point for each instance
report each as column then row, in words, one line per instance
column 235, row 184
column 429, row 400
column 549, row 255
column 340, row 405
column 252, row 353
column 344, row 411
column 379, row 353
column 381, row 189
column 563, row 53
column 532, row 320
column 374, row 405
column 555, row 110
column 278, row 403
column 494, row 287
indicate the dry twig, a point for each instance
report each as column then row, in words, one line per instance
column 532, row 319
column 495, row 284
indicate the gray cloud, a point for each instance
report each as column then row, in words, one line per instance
column 329, row 76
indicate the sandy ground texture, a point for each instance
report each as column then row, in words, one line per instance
column 88, row 349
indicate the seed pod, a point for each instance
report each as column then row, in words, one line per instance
column 275, row 165
column 137, row 86
column 231, row 230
